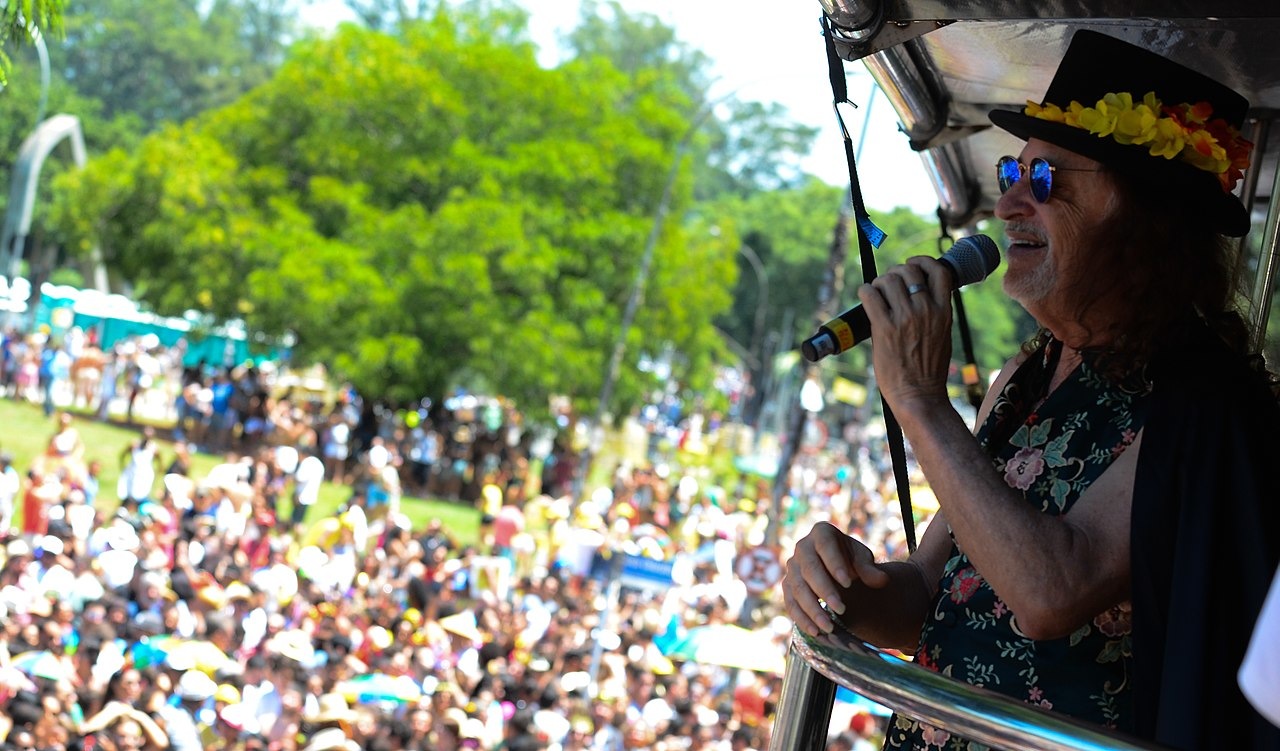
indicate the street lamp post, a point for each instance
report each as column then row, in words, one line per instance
column 762, row 304
column 42, row 52
column 633, row 305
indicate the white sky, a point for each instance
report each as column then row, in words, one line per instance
column 764, row 53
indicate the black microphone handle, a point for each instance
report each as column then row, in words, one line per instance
column 970, row 260
column 847, row 331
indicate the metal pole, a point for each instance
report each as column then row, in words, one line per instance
column 592, row 689
column 43, row 53
column 1264, row 284
column 633, row 305
column 866, row 119
column 804, row 708
column 828, row 294
column 762, row 304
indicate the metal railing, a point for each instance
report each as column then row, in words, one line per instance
column 815, row 665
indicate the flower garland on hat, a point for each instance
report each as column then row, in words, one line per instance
column 1185, row 131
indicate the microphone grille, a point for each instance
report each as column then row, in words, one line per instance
column 972, row 258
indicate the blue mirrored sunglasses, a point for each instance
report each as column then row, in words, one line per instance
column 1009, row 171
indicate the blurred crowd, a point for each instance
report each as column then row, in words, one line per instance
column 214, row 611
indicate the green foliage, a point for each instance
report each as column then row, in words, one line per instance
column 168, row 60
column 746, row 148
column 791, row 232
column 642, row 48
column 19, row 108
column 420, row 203
column 22, row 22
column 413, row 205
column 67, row 276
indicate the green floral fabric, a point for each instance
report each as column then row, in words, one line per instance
column 1051, row 449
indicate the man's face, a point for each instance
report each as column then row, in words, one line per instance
column 1048, row 242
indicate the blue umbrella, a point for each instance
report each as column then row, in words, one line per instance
column 861, row 703
column 730, row 646
column 375, row 688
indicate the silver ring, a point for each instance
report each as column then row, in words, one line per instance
column 914, row 288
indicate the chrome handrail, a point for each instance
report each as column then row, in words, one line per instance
column 976, row 713
column 1268, row 267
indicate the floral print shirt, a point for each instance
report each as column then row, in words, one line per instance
column 1051, row 449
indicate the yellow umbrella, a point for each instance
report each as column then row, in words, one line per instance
column 294, row 644
column 463, row 624
column 659, row 665
column 199, row 655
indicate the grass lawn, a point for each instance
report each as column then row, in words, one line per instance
column 25, row 433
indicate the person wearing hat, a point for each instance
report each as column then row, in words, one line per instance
column 331, row 710
column 331, row 739
column 1104, row 543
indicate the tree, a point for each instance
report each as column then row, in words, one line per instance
column 418, row 206
column 500, row 20
column 747, row 147
column 20, row 22
column 790, row 231
column 168, row 60
column 388, row 15
column 755, row 148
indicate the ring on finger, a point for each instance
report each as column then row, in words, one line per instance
column 833, row 615
column 914, row 288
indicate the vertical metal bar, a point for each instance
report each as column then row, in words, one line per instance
column 1264, row 284
column 828, row 299
column 1258, row 132
column 804, row 709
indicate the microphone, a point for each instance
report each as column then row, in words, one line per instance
column 971, row 260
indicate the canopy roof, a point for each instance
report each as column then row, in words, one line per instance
column 944, row 65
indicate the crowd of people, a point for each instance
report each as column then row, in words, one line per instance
column 211, row 610
column 1068, row 566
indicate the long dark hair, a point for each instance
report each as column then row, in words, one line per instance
column 1168, row 264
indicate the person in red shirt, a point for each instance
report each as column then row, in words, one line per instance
column 42, row 492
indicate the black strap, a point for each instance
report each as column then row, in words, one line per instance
column 969, row 371
column 869, row 235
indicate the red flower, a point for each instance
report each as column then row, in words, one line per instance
column 964, row 584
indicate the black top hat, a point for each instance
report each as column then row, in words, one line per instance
column 1095, row 66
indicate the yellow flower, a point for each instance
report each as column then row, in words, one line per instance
column 1098, row 121
column 1136, row 126
column 1169, row 139
column 1183, row 131
column 1050, row 112
column 1120, row 101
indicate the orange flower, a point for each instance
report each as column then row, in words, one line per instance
column 1183, row 131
